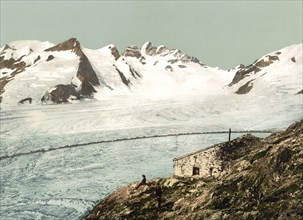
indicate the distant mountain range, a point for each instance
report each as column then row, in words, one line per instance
column 36, row 72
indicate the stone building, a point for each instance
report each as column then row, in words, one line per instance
column 203, row 163
column 213, row 161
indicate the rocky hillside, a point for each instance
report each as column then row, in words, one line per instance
column 264, row 180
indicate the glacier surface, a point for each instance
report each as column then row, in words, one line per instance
column 64, row 183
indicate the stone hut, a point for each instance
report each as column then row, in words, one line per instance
column 203, row 163
column 213, row 161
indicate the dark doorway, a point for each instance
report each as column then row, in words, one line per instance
column 196, row 171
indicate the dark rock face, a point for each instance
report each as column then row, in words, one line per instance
column 264, row 63
column 114, row 52
column 86, row 89
column 195, row 60
column 5, row 48
column 301, row 92
column 60, row 94
column 134, row 73
column 150, row 49
column 23, row 101
column 17, row 65
column 72, row 44
column 132, row 51
column 181, row 66
column 245, row 88
column 168, row 68
column 87, row 76
column 293, row 59
column 50, row 57
column 12, row 64
column 264, row 181
column 85, row 73
column 173, row 61
column 162, row 50
column 142, row 60
column 253, row 68
column 37, row 59
column 123, row 78
column 242, row 73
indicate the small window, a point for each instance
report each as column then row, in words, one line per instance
column 196, row 171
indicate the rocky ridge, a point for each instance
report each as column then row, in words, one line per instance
column 149, row 49
column 246, row 76
column 264, row 180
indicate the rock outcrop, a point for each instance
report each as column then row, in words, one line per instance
column 132, row 51
column 254, row 68
column 61, row 94
column 245, row 88
column 15, row 65
column 71, row 44
column 263, row 180
column 148, row 49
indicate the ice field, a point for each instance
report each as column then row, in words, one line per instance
column 40, row 182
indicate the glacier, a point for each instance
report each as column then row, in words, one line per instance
column 58, row 160
column 66, row 183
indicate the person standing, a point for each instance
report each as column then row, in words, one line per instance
column 143, row 182
column 159, row 195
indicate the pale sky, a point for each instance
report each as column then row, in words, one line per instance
column 220, row 33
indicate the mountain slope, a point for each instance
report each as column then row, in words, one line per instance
column 52, row 73
column 263, row 181
column 277, row 72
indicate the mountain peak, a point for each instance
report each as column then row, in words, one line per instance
column 132, row 51
column 280, row 57
column 5, row 48
column 71, row 44
column 114, row 51
column 148, row 48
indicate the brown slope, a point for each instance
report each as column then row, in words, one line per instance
column 265, row 182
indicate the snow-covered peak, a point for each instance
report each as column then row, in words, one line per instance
column 19, row 49
column 148, row 49
column 32, row 44
column 108, row 52
column 272, row 70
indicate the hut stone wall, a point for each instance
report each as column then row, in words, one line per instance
column 204, row 163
